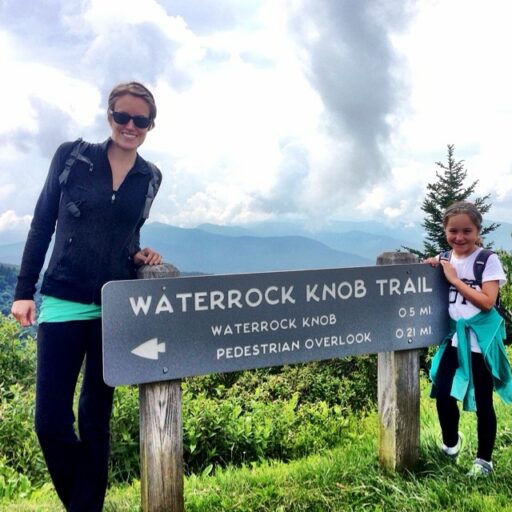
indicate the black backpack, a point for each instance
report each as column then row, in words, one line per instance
column 77, row 154
column 478, row 270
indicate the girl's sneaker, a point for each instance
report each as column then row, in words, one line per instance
column 480, row 468
column 453, row 451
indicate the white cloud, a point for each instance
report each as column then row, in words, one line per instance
column 269, row 107
column 13, row 228
column 24, row 81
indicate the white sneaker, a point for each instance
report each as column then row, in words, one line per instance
column 480, row 467
column 453, row 451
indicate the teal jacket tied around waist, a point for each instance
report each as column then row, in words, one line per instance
column 489, row 329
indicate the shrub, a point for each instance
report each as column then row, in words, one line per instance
column 221, row 432
column 241, row 417
column 124, row 454
column 19, row 446
column 349, row 382
column 506, row 290
column 12, row 483
column 232, row 418
column 17, row 355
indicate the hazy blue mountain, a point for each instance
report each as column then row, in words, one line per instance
column 368, row 238
column 361, row 243
column 226, row 230
column 348, row 237
column 398, row 230
column 282, row 245
column 196, row 250
column 11, row 253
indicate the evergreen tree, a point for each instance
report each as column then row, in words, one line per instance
column 448, row 189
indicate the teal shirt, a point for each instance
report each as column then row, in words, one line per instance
column 489, row 329
column 59, row 310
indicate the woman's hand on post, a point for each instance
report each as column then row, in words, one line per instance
column 147, row 256
column 24, row 311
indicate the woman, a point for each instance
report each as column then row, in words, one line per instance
column 96, row 209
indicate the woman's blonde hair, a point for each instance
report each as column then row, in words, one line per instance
column 135, row 89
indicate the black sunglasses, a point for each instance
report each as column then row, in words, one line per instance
column 124, row 118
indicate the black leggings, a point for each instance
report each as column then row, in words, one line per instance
column 78, row 466
column 448, row 410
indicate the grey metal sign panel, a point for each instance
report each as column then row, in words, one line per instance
column 162, row 329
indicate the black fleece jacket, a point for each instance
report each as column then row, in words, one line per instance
column 96, row 229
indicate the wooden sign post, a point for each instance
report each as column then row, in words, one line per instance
column 158, row 330
column 161, row 433
column 398, row 396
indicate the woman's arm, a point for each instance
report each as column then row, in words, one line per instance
column 38, row 240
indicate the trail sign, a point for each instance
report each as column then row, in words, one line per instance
column 163, row 329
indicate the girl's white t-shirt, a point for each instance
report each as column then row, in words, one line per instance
column 459, row 307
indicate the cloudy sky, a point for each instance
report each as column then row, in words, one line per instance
column 309, row 109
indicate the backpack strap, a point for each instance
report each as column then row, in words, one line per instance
column 446, row 255
column 153, row 186
column 479, row 265
column 76, row 153
column 79, row 146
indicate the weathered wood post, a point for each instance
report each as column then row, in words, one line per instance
column 161, row 432
column 398, row 395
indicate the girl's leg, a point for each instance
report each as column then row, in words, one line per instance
column 486, row 416
column 447, row 408
column 59, row 358
column 95, row 407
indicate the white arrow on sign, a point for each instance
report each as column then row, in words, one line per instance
column 149, row 349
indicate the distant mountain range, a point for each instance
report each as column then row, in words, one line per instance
column 271, row 246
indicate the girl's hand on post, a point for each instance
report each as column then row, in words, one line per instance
column 433, row 262
column 24, row 311
column 449, row 272
column 147, row 256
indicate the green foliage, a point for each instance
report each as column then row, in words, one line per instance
column 350, row 382
column 18, row 445
column 12, row 483
column 278, row 413
column 234, row 418
column 345, row 478
column 124, row 446
column 448, row 189
column 218, row 433
column 17, row 355
column 506, row 290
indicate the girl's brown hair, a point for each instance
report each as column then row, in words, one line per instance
column 464, row 207
column 135, row 89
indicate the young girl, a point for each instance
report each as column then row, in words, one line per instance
column 471, row 360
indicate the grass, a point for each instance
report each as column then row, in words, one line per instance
column 347, row 478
